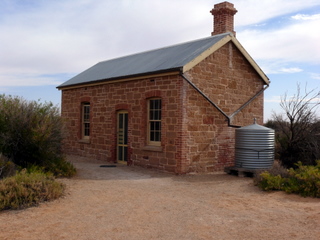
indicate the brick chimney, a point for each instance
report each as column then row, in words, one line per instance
column 223, row 18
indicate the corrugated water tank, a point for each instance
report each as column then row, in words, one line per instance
column 254, row 147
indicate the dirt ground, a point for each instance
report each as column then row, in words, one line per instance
column 134, row 203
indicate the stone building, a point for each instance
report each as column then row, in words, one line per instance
column 174, row 108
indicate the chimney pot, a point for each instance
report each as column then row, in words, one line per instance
column 223, row 18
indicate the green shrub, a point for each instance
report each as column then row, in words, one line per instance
column 27, row 189
column 60, row 167
column 304, row 180
column 270, row 182
column 31, row 133
column 307, row 179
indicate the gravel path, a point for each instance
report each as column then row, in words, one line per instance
column 135, row 203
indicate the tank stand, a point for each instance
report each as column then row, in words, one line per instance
column 242, row 172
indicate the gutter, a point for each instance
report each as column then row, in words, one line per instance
column 65, row 85
column 229, row 118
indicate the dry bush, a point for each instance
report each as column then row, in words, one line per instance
column 7, row 167
column 27, row 189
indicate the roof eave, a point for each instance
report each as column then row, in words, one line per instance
column 166, row 72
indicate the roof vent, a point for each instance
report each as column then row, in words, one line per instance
column 223, row 18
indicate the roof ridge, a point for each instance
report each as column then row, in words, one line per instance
column 160, row 48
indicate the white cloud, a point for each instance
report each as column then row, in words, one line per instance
column 253, row 11
column 278, row 66
column 291, row 70
column 306, row 17
column 293, row 43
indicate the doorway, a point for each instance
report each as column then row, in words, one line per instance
column 122, row 136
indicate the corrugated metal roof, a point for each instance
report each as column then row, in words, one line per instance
column 155, row 61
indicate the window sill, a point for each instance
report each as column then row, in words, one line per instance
column 152, row 148
column 84, row 141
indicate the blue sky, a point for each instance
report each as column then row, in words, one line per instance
column 44, row 43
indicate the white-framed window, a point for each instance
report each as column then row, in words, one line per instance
column 85, row 120
column 154, row 122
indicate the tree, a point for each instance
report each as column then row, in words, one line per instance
column 31, row 132
column 298, row 129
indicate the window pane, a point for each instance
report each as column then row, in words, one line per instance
column 87, row 129
column 152, row 136
column 156, row 115
column 158, row 126
column 157, row 136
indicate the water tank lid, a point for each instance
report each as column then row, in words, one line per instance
column 255, row 127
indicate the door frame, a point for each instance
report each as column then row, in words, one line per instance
column 122, row 155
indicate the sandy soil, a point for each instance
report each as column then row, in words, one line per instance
column 134, row 203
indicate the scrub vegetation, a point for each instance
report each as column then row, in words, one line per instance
column 31, row 135
column 303, row 180
column 297, row 146
column 298, row 129
column 28, row 188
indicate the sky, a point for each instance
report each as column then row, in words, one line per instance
column 45, row 43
